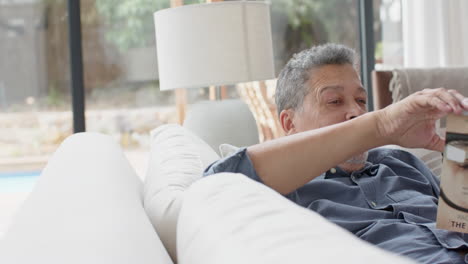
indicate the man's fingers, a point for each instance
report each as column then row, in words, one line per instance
column 462, row 99
column 457, row 95
column 438, row 103
column 437, row 144
column 450, row 99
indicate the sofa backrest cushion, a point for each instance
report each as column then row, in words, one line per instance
column 227, row 121
column 177, row 159
column 407, row 81
column 229, row 218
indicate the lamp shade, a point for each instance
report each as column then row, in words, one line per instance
column 214, row 44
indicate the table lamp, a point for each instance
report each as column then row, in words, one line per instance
column 214, row 44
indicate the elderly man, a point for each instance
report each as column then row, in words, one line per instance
column 327, row 162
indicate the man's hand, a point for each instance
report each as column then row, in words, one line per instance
column 411, row 122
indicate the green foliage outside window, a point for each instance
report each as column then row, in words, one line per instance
column 313, row 22
column 130, row 22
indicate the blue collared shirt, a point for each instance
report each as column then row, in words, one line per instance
column 391, row 202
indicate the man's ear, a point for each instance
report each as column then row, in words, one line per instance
column 286, row 118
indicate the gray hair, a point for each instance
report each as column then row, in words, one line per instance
column 291, row 88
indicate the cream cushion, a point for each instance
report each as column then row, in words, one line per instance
column 85, row 208
column 177, row 159
column 229, row 218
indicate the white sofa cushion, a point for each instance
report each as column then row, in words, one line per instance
column 85, row 208
column 177, row 159
column 228, row 218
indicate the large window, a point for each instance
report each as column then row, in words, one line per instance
column 122, row 96
column 34, row 95
column 300, row 24
column 120, row 68
column 389, row 41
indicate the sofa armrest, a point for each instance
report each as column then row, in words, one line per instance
column 380, row 88
column 229, row 218
column 85, row 208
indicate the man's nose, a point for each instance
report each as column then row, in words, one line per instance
column 354, row 110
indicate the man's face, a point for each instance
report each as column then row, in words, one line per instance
column 336, row 95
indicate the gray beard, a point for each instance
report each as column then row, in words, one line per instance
column 355, row 163
column 358, row 159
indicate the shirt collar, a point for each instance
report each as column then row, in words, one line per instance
column 369, row 168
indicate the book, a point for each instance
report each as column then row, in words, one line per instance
column 452, row 211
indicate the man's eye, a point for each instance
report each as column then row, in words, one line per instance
column 362, row 101
column 334, row 102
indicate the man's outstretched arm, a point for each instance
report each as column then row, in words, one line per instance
column 288, row 163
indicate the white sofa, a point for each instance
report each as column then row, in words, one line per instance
column 90, row 207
